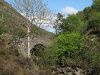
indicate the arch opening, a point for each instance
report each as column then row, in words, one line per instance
column 37, row 49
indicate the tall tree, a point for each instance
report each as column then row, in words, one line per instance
column 73, row 23
column 58, row 23
column 96, row 5
column 35, row 11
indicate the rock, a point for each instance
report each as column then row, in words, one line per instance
column 69, row 69
column 79, row 72
column 59, row 70
column 60, row 74
column 69, row 73
column 53, row 72
column 64, row 71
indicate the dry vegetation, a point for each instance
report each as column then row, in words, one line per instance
column 13, row 24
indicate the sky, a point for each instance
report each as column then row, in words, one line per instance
column 66, row 7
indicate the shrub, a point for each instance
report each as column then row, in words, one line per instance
column 68, row 43
column 64, row 46
column 91, row 52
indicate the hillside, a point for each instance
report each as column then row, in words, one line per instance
column 13, row 21
column 74, row 50
column 12, row 26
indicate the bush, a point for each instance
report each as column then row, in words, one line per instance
column 90, row 52
column 64, row 46
column 68, row 43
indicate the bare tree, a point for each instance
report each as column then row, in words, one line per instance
column 35, row 11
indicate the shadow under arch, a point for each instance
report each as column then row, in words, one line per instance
column 37, row 49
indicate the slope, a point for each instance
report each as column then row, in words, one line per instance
column 12, row 25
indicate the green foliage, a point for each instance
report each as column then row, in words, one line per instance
column 73, row 24
column 58, row 23
column 2, row 29
column 94, row 21
column 96, row 5
column 68, row 43
column 48, row 57
column 90, row 52
column 70, row 46
column 73, row 48
column 65, row 45
column 86, row 13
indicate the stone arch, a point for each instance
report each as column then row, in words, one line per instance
column 37, row 49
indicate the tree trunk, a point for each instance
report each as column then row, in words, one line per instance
column 28, row 41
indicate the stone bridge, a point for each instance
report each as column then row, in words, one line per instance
column 23, row 49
